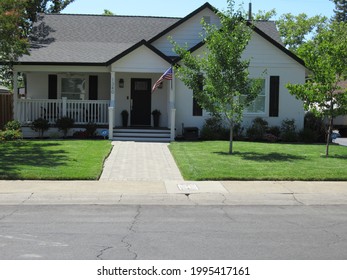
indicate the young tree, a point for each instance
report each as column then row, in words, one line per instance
column 220, row 78
column 326, row 58
column 340, row 10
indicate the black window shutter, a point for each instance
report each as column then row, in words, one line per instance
column 93, row 87
column 52, row 86
column 197, row 109
column 274, row 96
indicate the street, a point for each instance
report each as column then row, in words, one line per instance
column 73, row 232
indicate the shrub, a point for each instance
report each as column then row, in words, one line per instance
column 308, row 135
column 213, row 129
column 64, row 124
column 258, row 129
column 13, row 125
column 40, row 125
column 10, row 134
column 288, row 131
column 91, row 129
column 314, row 128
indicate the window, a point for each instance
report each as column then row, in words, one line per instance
column 73, row 88
column 258, row 105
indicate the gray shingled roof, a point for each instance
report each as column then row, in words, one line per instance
column 269, row 28
column 60, row 38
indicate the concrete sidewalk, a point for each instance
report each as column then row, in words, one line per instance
column 177, row 192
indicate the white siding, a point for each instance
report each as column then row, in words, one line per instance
column 37, row 85
column 141, row 60
column 187, row 33
column 266, row 60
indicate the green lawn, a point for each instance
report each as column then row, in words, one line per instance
column 259, row 161
column 53, row 159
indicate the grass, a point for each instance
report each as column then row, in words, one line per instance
column 52, row 160
column 259, row 161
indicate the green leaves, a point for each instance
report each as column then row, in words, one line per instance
column 226, row 88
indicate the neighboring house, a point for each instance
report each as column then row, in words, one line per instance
column 92, row 67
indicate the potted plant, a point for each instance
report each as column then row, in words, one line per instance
column 125, row 117
column 156, row 117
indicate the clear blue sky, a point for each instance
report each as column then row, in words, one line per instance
column 180, row 8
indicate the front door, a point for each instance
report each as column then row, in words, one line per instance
column 141, row 102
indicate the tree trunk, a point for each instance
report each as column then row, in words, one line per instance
column 231, row 139
column 330, row 127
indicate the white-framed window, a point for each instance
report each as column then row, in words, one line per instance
column 258, row 105
column 74, row 88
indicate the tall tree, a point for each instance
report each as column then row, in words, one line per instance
column 295, row 30
column 219, row 77
column 326, row 58
column 107, row 13
column 340, row 10
column 13, row 35
column 16, row 21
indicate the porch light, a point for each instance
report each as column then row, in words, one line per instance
column 121, row 83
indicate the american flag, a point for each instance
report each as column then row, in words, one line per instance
column 166, row 76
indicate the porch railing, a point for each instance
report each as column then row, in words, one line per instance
column 82, row 111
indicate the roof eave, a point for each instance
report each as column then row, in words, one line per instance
column 136, row 46
column 161, row 34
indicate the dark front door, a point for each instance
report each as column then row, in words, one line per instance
column 141, row 102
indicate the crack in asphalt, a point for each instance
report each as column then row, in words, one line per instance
column 128, row 245
column 102, row 252
column 17, row 209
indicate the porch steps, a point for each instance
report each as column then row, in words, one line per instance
column 141, row 135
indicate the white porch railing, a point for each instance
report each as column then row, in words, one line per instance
column 82, row 111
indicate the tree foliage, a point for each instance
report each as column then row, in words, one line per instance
column 326, row 58
column 340, row 10
column 16, row 22
column 107, row 13
column 219, row 77
column 295, row 30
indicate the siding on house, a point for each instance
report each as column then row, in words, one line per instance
column 187, row 33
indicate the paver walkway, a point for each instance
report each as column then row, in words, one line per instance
column 140, row 162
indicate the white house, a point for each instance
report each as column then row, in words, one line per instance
column 92, row 67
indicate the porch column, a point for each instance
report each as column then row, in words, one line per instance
column 15, row 95
column 111, row 109
column 172, row 107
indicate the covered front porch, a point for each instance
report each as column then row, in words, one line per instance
column 112, row 93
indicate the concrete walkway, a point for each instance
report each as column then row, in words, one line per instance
column 137, row 161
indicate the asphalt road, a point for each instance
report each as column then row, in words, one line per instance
column 172, row 232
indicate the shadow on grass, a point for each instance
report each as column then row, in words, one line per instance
column 19, row 154
column 270, row 157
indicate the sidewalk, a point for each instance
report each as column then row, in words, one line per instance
column 172, row 193
column 146, row 174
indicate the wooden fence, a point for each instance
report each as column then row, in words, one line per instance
column 6, row 109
